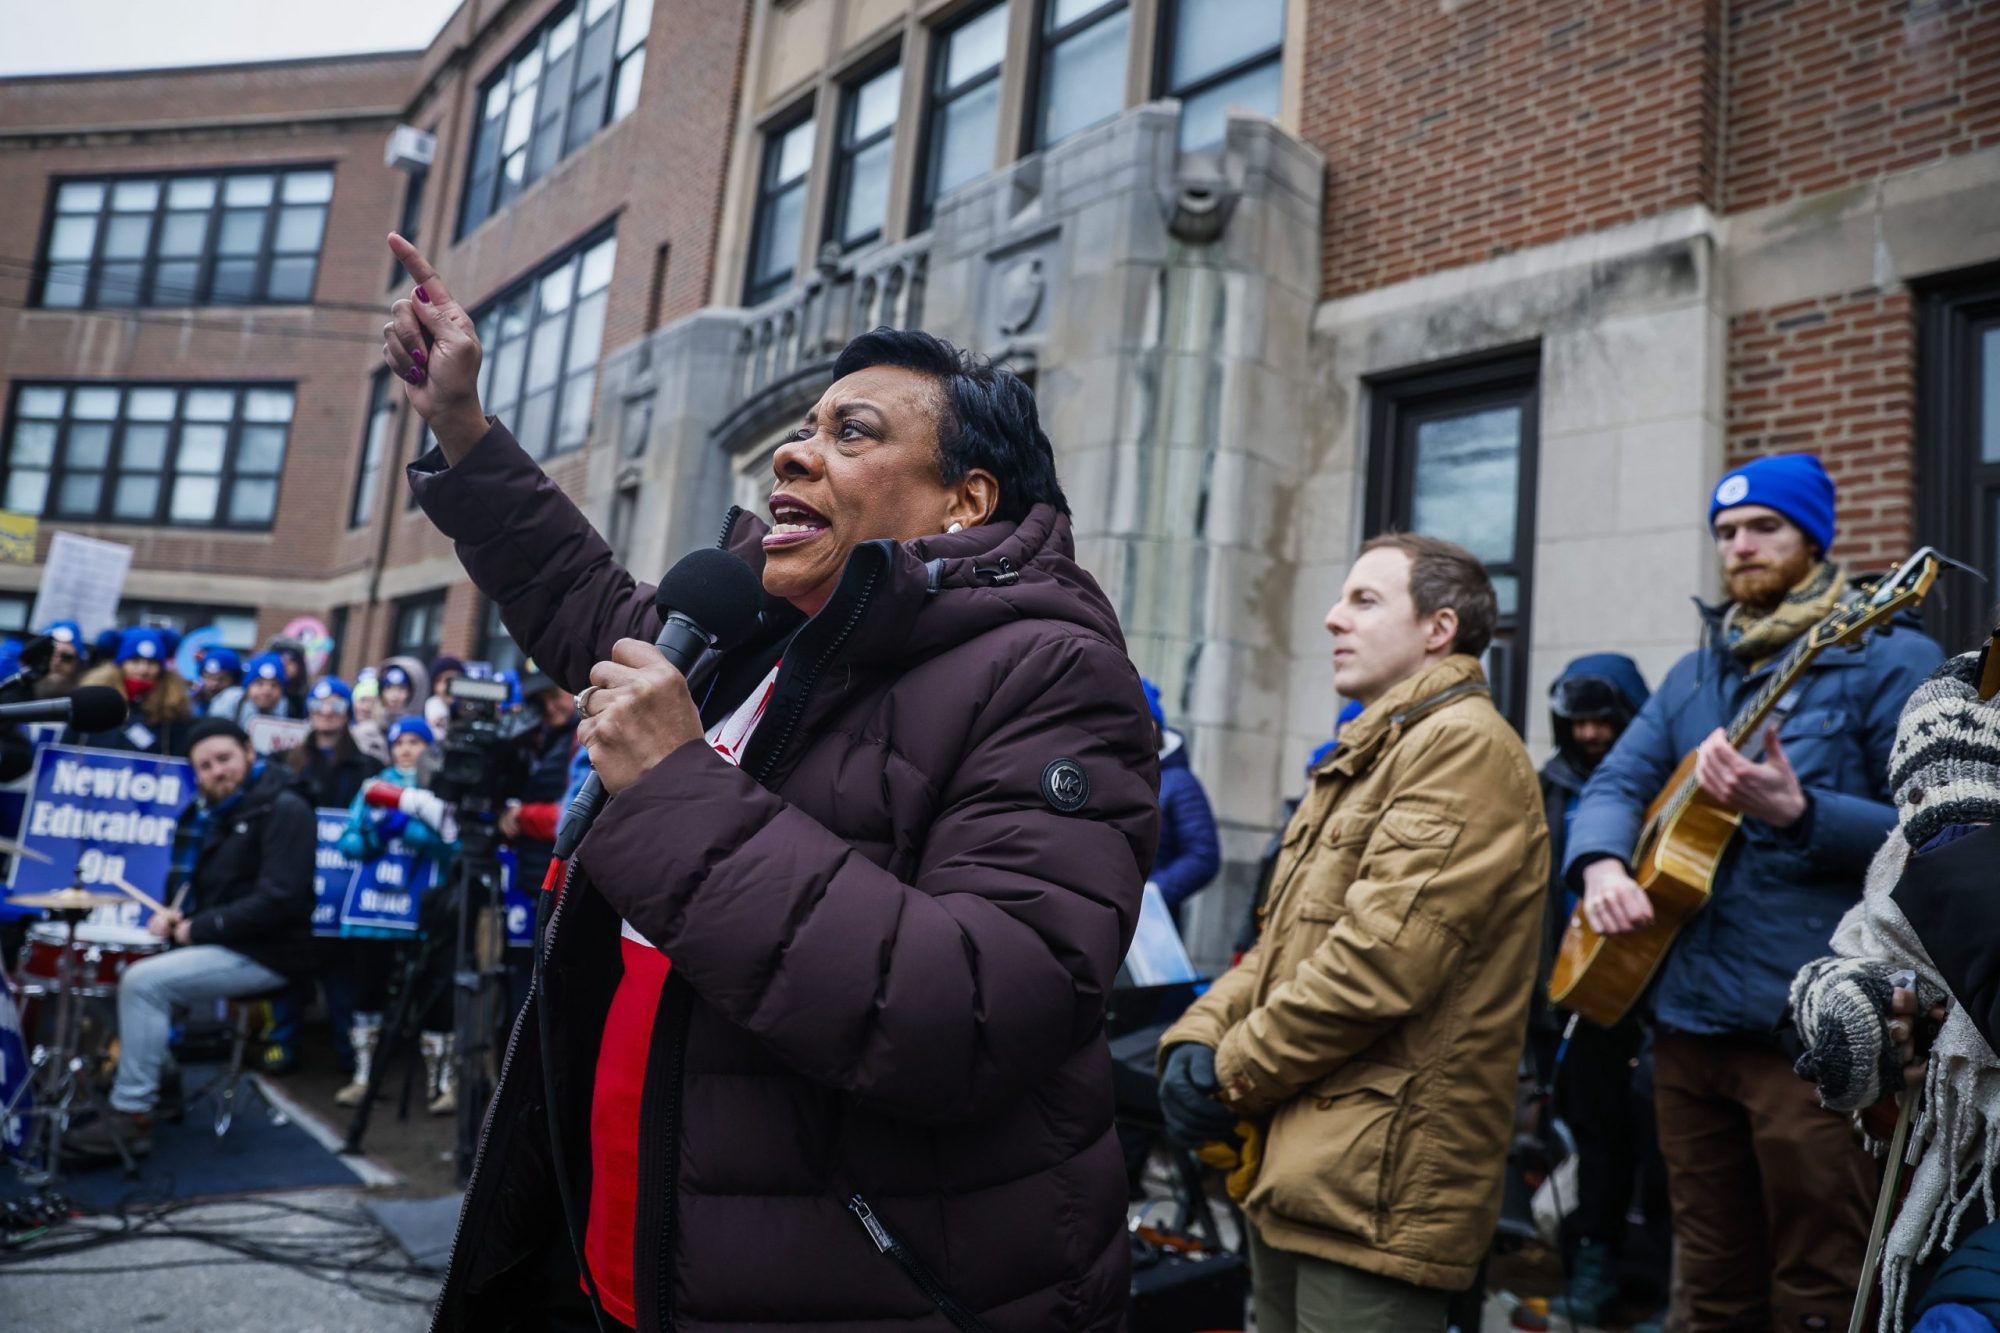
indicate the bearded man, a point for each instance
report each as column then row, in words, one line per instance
column 1770, row 1191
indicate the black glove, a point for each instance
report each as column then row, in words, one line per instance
column 1187, row 1098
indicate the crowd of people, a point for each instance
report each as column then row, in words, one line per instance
column 244, row 851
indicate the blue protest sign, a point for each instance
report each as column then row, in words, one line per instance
column 520, row 907
column 368, row 898
column 101, row 816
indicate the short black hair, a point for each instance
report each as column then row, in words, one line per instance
column 988, row 419
column 210, row 727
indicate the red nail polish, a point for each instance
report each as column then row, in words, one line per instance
column 423, row 296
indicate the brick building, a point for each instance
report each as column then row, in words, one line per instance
column 1530, row 275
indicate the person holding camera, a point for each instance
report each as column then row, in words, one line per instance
column 395, row 808
column 543, row 755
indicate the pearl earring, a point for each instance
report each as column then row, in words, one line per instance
column 956, row 527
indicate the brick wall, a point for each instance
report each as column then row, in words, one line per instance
column 1834, row 377
column 1455, row 132
column 1823, row 92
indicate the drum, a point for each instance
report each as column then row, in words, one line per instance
column 102, row 952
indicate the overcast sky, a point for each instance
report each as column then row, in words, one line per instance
column 63, row 36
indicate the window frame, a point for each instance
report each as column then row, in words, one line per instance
column 489, row 623
column 938, row 99
column 225, row 477
column 202, row 296
column 375, row 455
column 531, row 282
column 1401, row 400
column 1953, row 482
column 410, row 217
column 435, row 600
column 846, row 149
column 1163, row 58
column 599, row 91
column 774, row 132
column 1034, row 123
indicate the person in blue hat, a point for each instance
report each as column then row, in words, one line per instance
column 1770, row 1191
column 65, row 671
column 395, row 808
column 1190, row 850
column 330, row 765
column 263, row 692
column 162, row 709
column 218, row 678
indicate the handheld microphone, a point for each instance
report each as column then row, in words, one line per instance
column 90, row 708
column 708, row 599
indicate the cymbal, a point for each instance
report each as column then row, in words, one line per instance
column 8, row 847
column 67, row 900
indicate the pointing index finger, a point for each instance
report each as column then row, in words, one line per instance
column 418, row 267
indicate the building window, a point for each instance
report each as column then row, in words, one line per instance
column 411, row 219
column 336, row 629
column 1958, row 448
column 418, row 627
column 577, row 73
column 496, row 646
column 542, row 338
column 962, row 125
column 14, row 610
column 1080, row 67
column 194, row 455
column 374, row 449
column 229, row 238
column 236, row 624
column 781, row 208
column 861, row 162
column 1453, row 456
column 1219, row 54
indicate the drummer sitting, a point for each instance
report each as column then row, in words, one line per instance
column 245, row 850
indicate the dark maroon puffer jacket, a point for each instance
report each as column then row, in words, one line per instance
column 891, row 949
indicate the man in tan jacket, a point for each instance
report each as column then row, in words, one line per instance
column 1374, row 1034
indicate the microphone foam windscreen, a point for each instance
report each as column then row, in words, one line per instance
column 716, row 591
column 96, row 708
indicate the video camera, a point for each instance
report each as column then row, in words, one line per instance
column 476, row 774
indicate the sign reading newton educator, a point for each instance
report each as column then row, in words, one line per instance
column 100, row 816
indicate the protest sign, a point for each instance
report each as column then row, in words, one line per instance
column 268, row 735
column 17, row 539
column 100, row 816
column 82, row 581
column 369, row 898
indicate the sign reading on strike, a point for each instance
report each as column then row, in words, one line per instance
column 368, row 898
column 100, row 816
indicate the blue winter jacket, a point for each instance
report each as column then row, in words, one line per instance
column 1190, row 852
column 1965, row 1292
column 1778, row 894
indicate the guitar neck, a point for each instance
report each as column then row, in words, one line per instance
column 1751, row 716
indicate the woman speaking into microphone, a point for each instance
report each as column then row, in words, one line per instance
column 819, row 1036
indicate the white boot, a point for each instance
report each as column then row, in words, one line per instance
column 441, row 1072
column 367, row 1030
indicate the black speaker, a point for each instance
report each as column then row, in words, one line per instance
column 1178, row 1293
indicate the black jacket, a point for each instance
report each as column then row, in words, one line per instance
column 1946, row 892
column 331, row 780
column 253, row 878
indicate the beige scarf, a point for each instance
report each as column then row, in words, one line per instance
column 1756, row 639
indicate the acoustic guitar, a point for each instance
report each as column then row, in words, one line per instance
column 1687, row 831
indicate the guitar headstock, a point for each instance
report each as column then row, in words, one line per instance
column 1875, row 605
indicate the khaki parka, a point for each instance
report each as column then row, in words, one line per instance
column 1378, row 1025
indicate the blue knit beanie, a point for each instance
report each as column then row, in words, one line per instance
column 1153, row 702
column 143, row 644
column 411, row 726
column 1793, row 484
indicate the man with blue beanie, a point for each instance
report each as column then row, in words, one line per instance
column 262, row 693
column 1770, row 1191
column 65, row 671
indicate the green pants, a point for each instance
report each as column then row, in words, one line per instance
column 1296, row 1293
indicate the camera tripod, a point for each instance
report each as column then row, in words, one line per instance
column 473, row 892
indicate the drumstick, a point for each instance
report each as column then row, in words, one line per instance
column 144, row 898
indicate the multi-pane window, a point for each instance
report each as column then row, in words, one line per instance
column 964, row 119
column 781, row 208
column 217, row 238
column 1453, row 456
column 1080, row 70
column 542, row 338
column 496, row 646
column 578, row 72
column 374, row 449
column 1219, row 54
column 412, row 218
column 418, row 627
column 236, row 625
column 861, row 164
column 201, row 455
